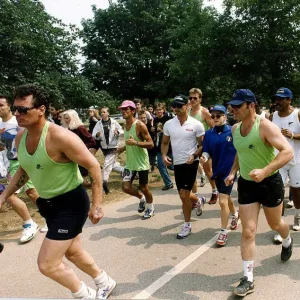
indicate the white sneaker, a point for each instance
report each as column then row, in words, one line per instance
column 29, row 232
column 289, row 204
column 277, row 239
column 184, row 232
column 296, row 225
column 85, row 292
column 105, row 288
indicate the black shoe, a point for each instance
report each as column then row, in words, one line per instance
column 152, row 168
column 286, row 253
column 1, row 247
column 105, row 187
column 245, row 287
column 167, row 187
column 142, row 206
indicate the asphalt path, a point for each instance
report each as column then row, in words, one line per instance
column 148, row 262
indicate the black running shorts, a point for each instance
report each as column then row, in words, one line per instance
column 185, row 175
column 129, row 175
column 65, row 214
column 269, row 192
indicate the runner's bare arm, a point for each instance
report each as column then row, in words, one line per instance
column 207, row 117
column 271, row 134
column 144, row 135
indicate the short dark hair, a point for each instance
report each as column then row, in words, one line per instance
column 8, row 100
column 40, row 96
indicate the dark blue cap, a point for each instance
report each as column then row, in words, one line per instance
column 284, row 93
column 220, row 108
column 242, row 95
column 180, row 99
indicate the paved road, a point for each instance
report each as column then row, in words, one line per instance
column 148, row 262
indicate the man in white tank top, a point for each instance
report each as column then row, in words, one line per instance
column 287, row 118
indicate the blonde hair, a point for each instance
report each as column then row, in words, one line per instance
column 75, row 121
column 196, row 91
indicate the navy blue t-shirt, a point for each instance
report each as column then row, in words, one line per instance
column 219, row 145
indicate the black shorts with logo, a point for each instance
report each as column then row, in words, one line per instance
column 185, row 175
column 269, row 192
column 65, row 214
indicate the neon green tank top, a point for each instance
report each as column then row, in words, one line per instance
column 198, row 117
column 50, row 178
column 137, row 158
column 253, row 153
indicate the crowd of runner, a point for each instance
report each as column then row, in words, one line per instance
column 42, row 146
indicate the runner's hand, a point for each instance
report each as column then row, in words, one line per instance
column 167, row 161
column 203, row 160
column 258, row 175
column 96, row 213
column 229, row 180
column 131, row 141
column 190, row 160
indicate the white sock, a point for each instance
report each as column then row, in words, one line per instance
column 30, row 221
column 187, row 224
column 297, row 212
column 236, row 214
column 143, row 199
column 224, row 230
column 214, row 191
column 83, row 292
column 248, row 269
column 101, row 278
column 286, row 242
column 150, row 206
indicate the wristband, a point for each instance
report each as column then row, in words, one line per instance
column 292, row 136
column 195, row 156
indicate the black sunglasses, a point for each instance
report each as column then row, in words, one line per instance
column 216, row 116
column 237, row 106
column 177, row 105
column 22, row 110
column 193, row 98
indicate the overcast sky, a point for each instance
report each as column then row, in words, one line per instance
column 73, row 11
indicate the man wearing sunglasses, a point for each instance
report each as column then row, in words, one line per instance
column 49, row 155
column 287, row 118
column 185, row 134
column 260, row 183
column 218, row 145
column 202, row 114
column 8, row 131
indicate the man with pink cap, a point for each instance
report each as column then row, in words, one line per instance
column 137, row 141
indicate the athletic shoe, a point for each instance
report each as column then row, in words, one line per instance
column 167, row 187
column 289, row 204
column 105, row 187
column 1, row 247
column 202, row 180
column 234, row 222
column 104, row 289
column 213, row 198
column 286, row 253
column 184, row 232
column 199, row 205
column 44, row 229
column 85, row 292
column 29, row 232
column 148, row 214
column 277, row 239
column 222, row 238
column 142, row 206
column 245, row 287
column 296, row 225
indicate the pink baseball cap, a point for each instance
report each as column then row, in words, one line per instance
column 127, row 103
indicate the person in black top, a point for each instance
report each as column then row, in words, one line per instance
column 158, row 123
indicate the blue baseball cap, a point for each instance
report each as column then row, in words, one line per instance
column 220, row 108
column 180, row 99
column 242, row 95
column 284, row 93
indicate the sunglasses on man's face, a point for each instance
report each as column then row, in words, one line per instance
column 216, row 116
column 22, row 110
column 177, row 105
column 237, row 106
column 193, row 98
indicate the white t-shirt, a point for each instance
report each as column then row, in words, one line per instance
column 8, row 132
column 183, row 138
